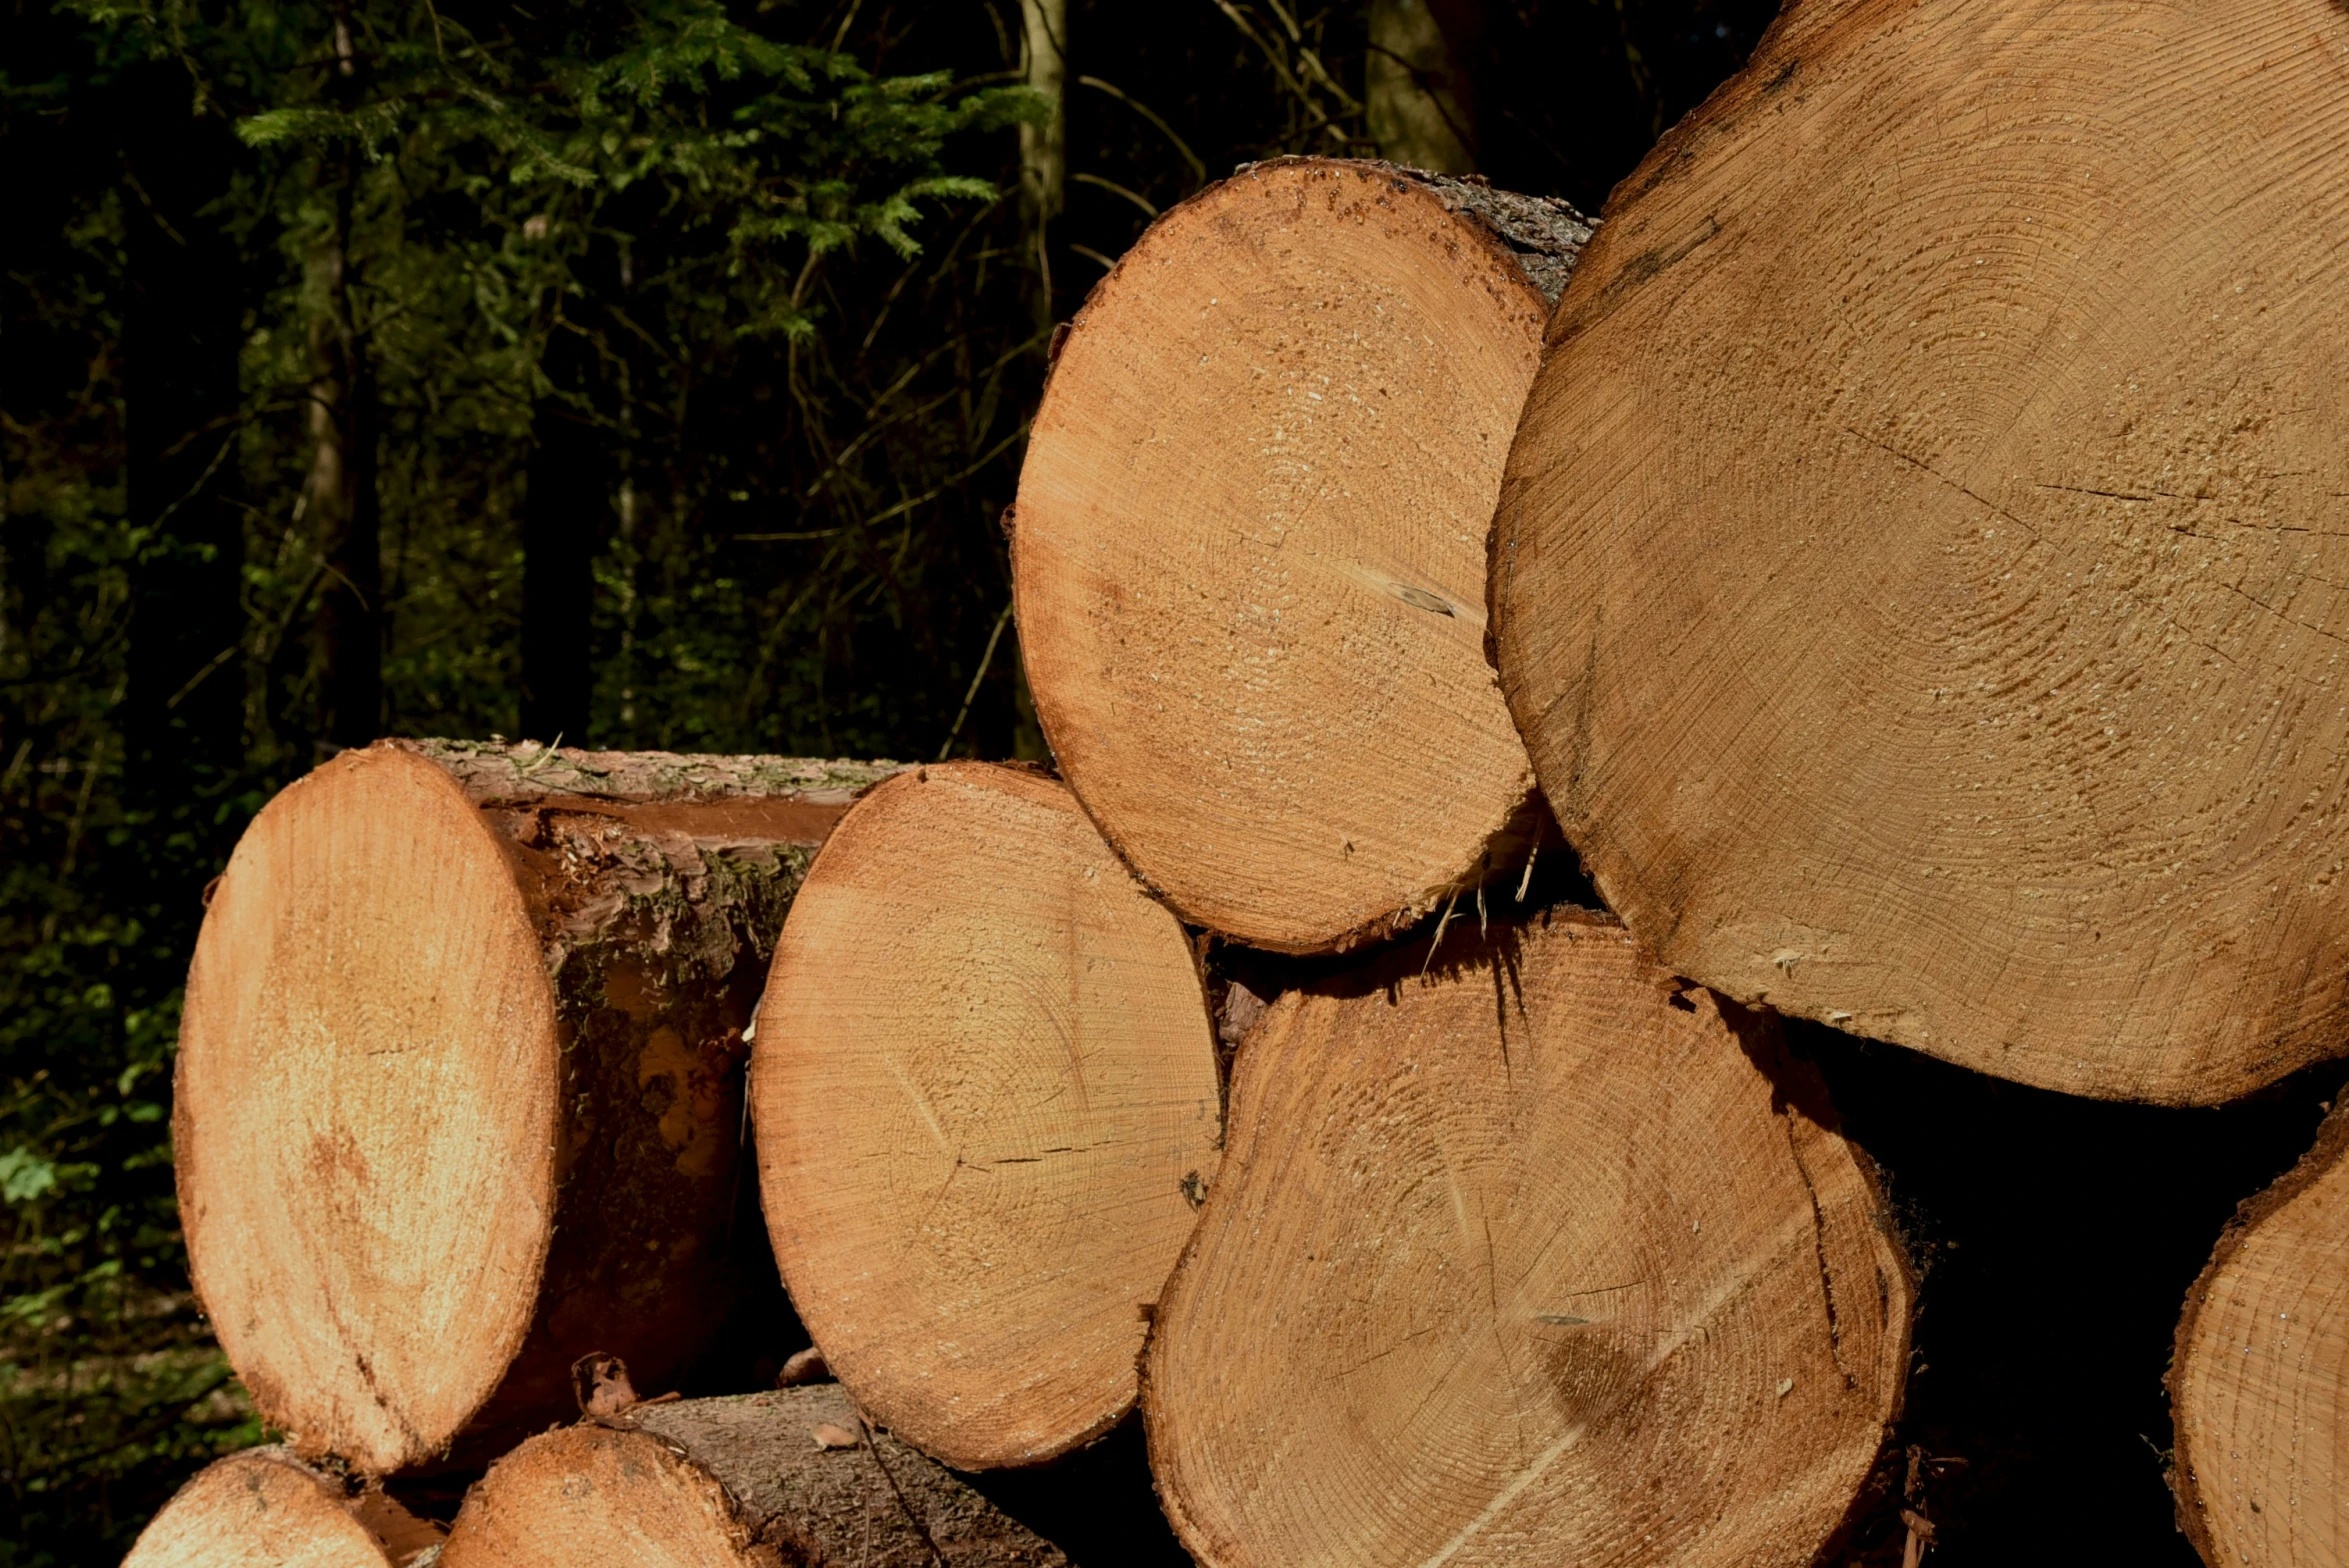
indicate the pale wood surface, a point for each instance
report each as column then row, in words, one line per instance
column 1536, row 1257
column 458, row 1093
column 985, row 1094
column 2260, row 1385
column 760, row 1481
column 264, row 1508
column 1920, row 577
column 1249, row 551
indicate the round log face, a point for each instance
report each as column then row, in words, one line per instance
column 365, row 1111
column 257, row 1507
column 593, row 1495
column 1923, row 578
column 1529, row 1260
column 2260, row 1384
column 986, row 1098
column 1250, row 551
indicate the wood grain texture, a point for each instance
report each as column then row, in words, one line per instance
column 457, row 1097
column 1249, row 557
column 264, row 1508
column 1535, row 1258
column 733, row 1483
column 2259, row 1387
column 1920, row 576
column 985, row 1093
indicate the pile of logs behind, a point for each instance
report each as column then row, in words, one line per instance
column 1524, row 695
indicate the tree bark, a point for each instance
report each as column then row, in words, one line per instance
column 1249, row 558
column 1525, row 1252
column 266, row 1506
column 2259, row 1385
column 986, row 1096
column 1920, row 596
column 791, row 1477
column 456, row 1094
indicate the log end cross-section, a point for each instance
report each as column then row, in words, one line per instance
column 2260, row 1384
column 264, row 1506
column 985, row 1093
column 1537, row 1258
column 761, row 1481
column 1250, row 545
column 458, row 1091
column 1923, row 573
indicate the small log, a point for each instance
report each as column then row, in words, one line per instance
column 986, row 1100
column 1249, row 546
column 1536, row 1257
column 2259, row 1386
column 457, row 1095
column 1920, row 577
column 266, row 1506
column 756, row 1481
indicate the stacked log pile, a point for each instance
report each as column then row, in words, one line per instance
column 1892, row 555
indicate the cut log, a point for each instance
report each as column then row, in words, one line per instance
column 457, row 1095
column 266, row 1506
column 1249, row 548
column 751, row 1482
column 986, row 1100
column 1535, row 1258
column 2260, row 1384
column 1920, row 576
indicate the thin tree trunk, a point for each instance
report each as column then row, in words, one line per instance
column 182, row 327
column 1420, row 97
column 1044, row 148
column 345, row 510
column 564, row 509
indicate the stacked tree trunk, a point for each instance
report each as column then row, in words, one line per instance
column 1901, row 561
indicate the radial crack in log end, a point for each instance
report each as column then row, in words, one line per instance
column 458, row 1091
column 986, row 1095
column 1918, row 577
column 2259, row 1385
column 733, row 1483
column 1251, row 557
column 266, row 1506
column 1535, row 1256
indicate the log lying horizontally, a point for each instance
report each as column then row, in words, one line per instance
column 1538, row 1258
column 750, row 1482
column 457, row 1099
column 266, row 1506
column 1250, row 544
column 2260, row 1383
column 986, row 1100
column 1922, row 577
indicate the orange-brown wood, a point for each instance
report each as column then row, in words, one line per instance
column 1538, row 1256
column 457, row 1092
column 1922, row 578
column 1249, row 551
column 984, row 1087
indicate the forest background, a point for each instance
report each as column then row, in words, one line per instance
column 639, row 375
